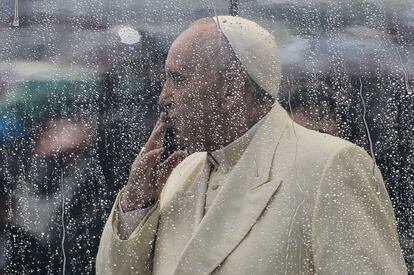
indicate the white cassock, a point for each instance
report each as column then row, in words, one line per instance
column 282, row 199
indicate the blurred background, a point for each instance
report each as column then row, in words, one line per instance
column 79, row 85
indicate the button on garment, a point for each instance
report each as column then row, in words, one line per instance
column 222, row 162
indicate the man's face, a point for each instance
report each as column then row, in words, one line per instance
column 193, row 93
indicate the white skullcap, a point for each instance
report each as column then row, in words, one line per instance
column 256, row 49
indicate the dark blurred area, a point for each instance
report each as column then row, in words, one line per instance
column 79, row 86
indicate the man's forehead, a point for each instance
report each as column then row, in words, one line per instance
column 193, row 45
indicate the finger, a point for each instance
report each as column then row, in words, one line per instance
column 147, row 160
column 160, row 119
column 156, row 140
column 174, row 159
column 153, row 156
column 168, row 166
column 163, row 116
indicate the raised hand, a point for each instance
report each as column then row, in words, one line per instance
column 148, row 174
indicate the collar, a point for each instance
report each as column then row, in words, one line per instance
column 225, row 158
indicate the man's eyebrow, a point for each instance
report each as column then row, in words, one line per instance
column 174, row 73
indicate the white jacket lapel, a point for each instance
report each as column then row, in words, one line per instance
column 240, row 202
column 182, row 208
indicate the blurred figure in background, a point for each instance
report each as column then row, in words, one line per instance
column 311, row 105
column 59, row 176
column 69, row 163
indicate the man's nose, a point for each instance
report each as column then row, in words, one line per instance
column 165, row 100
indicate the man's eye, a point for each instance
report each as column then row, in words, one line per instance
column 177, row 79
column 231, row 76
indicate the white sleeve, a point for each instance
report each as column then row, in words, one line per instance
column 128, row 221
column 353, row 228
column 117, row 256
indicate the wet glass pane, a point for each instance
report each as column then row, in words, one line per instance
column 80, row 86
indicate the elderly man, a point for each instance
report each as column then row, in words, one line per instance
column 261, row 194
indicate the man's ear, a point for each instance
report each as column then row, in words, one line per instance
column 234, row 89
